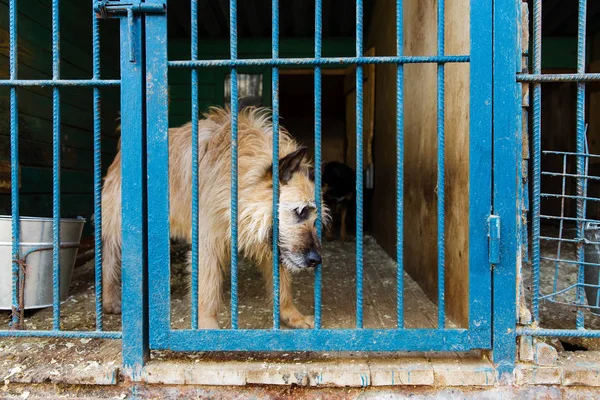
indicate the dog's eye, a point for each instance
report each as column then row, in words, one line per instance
column 302, row 213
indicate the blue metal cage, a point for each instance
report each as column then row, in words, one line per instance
column 493, row 147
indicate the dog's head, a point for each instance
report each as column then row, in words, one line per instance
column 300, row 247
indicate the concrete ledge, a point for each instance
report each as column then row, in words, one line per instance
column 463, row 372
column 534, row 375
column 404, row 372
column 331, row 373
column 581, row 368
column 207, row 373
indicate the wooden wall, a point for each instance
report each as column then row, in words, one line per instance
column 211, row 80
column 420, row 200
column 35, row 107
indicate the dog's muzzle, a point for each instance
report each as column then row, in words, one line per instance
column 312, row 259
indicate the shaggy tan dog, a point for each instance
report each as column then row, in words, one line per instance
column 299, row 245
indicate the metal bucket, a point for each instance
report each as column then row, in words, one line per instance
column 36, row 249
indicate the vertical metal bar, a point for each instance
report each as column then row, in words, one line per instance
column 133, row 166
column 581, row 161
column 97, row 174
column 275, row 96
column 234, row 164
column 536, row 164
column 56, row 147
column 195, row 182
column 441, row 245
column 159, row 230
column 14, row 163
column 399, row 169
column 318, row 153
column 359, row 166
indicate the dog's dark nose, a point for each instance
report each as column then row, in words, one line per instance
column 313, row 258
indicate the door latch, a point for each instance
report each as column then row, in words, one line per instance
column 106, row 8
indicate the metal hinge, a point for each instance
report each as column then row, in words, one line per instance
column 104, row 8
column 494, row 238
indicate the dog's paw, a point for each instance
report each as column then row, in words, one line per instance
column 300, row 321
column 112, row 306
column 208, row 323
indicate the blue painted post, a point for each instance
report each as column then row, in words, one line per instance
column 480, row 174
column 318, row 153
column 14, row 164
column 507, row 137
column 157, row 126
column 133, row 166
column 56, row 150
column 275, row 99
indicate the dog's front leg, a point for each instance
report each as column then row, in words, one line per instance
column 210, row 280
column 289, row 314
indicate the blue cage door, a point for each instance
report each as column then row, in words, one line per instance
column 478, row 333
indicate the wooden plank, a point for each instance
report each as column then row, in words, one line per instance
column 77, row 97
column 183, row 77
column 252, row 18
column 37, row 154
column 457, row 121
column 384, row 154
column 40, row 130
column 39, row 180
column 261, row 47
column 368, row 112
column 183, row 91
column 32, row 103
column 39, row 34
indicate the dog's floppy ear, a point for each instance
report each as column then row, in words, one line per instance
column 290, row 164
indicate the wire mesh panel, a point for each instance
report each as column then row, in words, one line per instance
column 201, row 333
column 564, row 180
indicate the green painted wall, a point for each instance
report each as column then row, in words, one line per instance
column 211, row 80
column 35, row 106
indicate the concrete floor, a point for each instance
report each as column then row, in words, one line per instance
column 338, row 295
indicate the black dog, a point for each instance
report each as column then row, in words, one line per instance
column 339, row 186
